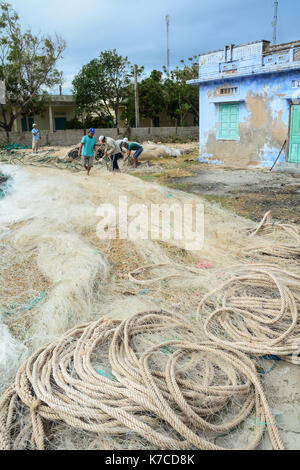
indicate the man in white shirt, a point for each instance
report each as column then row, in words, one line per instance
column 121, row 141
column 111, row 150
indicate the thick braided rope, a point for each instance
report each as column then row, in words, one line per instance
column 289, row 249
column 258, row 325
column 255, row 310
column 150, row 391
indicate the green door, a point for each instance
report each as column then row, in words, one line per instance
column 60, row 124
column 156, row 121
column 24, row 124
column 229, row 121
column 294, row 150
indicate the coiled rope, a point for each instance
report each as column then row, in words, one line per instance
column 288, row 248
column 179, row 400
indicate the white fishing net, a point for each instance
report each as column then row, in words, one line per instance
column 57, row 274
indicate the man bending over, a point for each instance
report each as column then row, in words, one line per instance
column 137, row 148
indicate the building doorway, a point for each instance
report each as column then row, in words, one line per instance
column 60, row 123
column 156, row 121
column 294, row 138
column 26, row 123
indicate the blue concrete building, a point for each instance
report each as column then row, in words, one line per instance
column 250, row 104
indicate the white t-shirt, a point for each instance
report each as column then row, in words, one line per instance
column 111, row 147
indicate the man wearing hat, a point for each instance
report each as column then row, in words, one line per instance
column 87, row 150
column 35, row 138
column 137, row 148
column 111, row 150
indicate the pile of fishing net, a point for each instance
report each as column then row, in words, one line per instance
column 253, row 308
column 40, row 159
column 158, row 380
column 14, row 147
column 150, row 382
column 154, row 152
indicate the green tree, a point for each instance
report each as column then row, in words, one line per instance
column 27, row 66
column 102, row 85
column 181, row 98
column 151, row 91
column 37, row 105
column 96, row 122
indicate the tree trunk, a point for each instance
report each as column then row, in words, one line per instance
column 117, row 117
column 5, row 126
column 180, row 113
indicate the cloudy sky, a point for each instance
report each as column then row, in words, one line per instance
column 136, row 28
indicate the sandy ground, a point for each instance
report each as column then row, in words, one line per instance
column 249, row 193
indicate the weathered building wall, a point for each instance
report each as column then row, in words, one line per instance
column 264, row 106
column 61, row 106
column 246, row 93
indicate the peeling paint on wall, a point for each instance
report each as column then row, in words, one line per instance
column 264, row 83
column 264, row 103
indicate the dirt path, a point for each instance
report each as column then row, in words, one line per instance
column 250, row 193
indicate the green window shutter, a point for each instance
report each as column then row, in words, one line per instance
column 24, row 125
column 229, row 121
column 60, row 123
column 294, row 151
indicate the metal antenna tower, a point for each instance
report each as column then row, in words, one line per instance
column 168, row 48
column 274, row 24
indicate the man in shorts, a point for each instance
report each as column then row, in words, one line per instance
column 87, row 150
column 35, row 138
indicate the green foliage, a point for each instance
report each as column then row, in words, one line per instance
column 99, row 122
column 27, row 66
column 128, row 113
column 152, row 96
column 106, row 83
column 102, row 85
column 181, row 98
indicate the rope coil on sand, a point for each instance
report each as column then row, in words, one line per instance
column 288, row 248
column 255, row 310
column 238, row 316
column 170, row 401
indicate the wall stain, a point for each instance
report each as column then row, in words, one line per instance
column 260, row 130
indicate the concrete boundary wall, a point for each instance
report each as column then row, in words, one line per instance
column 73, row 136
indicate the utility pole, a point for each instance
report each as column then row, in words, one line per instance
column 136, row 92
column 168, row 45
column 2, row 93
column 275, row 21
